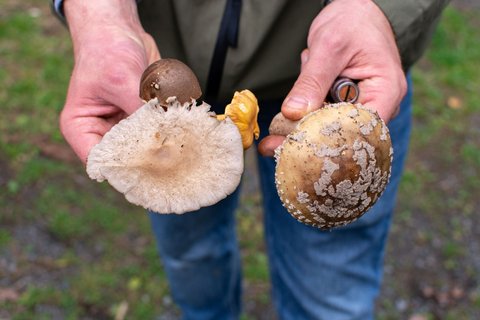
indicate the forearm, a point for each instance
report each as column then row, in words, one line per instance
column 89, row 19
column 106, row 12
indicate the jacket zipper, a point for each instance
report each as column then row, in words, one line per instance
column 227, row 37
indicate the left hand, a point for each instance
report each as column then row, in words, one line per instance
column 349, row 38
column 111, row 51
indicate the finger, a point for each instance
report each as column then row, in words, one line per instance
column 81, row 143
column 319, row 70
column 153, row 54
column 383, row 95
column 82, row 134
column 82, row 148
column 267, row 146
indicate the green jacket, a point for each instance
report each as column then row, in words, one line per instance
column 271, row 36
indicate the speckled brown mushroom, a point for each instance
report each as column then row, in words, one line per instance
column 169, row 78
column 334, row 165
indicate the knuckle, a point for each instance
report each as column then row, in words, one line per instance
column 63, row 121
column 115, row 75
column 332, row 42
column 402, row 86
column 310, row 82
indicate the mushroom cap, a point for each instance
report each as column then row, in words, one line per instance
column 170, row 161
column 168, row 78
column 243, row 111
column 334, row 166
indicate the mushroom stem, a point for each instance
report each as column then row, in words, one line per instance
column 281, row 126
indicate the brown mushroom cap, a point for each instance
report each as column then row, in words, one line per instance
column 334, row 166
column 169, row 78
column 170, row 161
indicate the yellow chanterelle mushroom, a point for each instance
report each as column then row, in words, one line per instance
column 243, row 111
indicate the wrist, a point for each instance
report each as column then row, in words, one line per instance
column 356, row 14
column 87, row 17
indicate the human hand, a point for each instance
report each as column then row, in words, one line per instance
column 353, row 39
column 111, row 51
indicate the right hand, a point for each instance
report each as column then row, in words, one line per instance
column 353, row 39
column 111, row 52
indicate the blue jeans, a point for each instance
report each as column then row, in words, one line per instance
column 315, row 274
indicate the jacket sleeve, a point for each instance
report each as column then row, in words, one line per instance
column 413, row 22
column 57, row 6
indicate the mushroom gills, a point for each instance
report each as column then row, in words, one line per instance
column 170, row 161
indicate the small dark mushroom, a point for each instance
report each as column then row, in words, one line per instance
column 169, row 78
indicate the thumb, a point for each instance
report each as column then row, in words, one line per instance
column 309, row 91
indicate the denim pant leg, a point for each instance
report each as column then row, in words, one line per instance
column 199, row 251
column 330, row 274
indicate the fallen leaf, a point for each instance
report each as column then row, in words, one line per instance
column 428, row 292
column 8, row 294
column 454, row 102
column 418, row 317
column 122, row 310
column 48, row 148
column 443, row 299
column 457, row 293
column 56, row 151
column 134, row 283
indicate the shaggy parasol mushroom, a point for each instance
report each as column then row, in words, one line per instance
column 333, row 165
column 173, row 156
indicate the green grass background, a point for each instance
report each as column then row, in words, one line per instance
column 74, row 249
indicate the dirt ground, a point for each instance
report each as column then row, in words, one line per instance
column 432, row 264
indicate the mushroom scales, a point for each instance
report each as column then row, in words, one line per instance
column 334, row 165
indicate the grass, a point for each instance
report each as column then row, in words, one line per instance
column 72, row 249
column 435, row 225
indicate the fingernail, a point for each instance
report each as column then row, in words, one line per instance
column 297, row 103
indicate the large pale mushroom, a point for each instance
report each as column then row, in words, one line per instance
column 174, row 156
column 170, row 161
column 334, row 164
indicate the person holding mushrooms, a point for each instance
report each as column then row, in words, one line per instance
column 288, row 53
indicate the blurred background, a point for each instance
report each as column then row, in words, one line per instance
column 71, row 248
